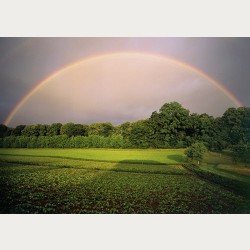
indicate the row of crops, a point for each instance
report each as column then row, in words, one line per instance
column 35, row 184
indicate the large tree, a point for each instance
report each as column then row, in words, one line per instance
column 101, row 128
column 169, row 124
column 3, row 130
column 124, row 129
column 17, row 131
column 241, row 152
column 42, row 129
column 140, row 134
column 236, row 124
column 71, row 129
column 54, row 129
column 31, row 130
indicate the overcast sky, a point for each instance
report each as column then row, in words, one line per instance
column 25, row 62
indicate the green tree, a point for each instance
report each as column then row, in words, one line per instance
column 85, row 129
column 245, row 123
column 101, row 128
column 241, row 152
column 196, row 151
column 31, row 130
column 54, row 129
column 71, row 129
column 140, row 132
column 124, row 129
column 9, row 131
column 206, row 125
column 192, row 129
column 42, row 128
column 201, row 127
column 236, row 124
column 17, row 131
column 219, row 140
column 3, row 130
column 169, row 124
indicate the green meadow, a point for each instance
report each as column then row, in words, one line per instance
column 120, row 181
column 158, row 156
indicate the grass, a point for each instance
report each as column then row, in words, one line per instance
column 111, row 181
column 223, row 165
column 154, row 156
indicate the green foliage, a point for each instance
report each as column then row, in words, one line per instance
column 71, row 129
column 31, row 130
column 172, row 127
column 54, row 129
column 241, row 152
column 118, row 141
column 63, row 141
column 236, row 123
column 9, row 132
column 43, row 129
column 3, row 130
column 139, row 136
column 200, row 128
column 17, row 131
column 196, row 151
column 85, row 129
column 124, row 129
column 65, row 185
column 101, row 128
column 168, row 125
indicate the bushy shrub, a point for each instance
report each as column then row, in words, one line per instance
column 196, row 151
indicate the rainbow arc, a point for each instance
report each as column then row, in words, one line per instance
column 92, row 59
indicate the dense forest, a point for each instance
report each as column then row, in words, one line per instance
column 173, row 126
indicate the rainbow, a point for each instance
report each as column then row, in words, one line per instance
column 174, row 61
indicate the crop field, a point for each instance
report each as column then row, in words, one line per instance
column 115, row 181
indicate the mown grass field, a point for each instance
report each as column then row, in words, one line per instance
column 160, row 156
column 223, row 165
column 115, row 181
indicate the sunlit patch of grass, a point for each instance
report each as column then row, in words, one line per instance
column 151, row 156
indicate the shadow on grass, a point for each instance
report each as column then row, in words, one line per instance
column 177, row 158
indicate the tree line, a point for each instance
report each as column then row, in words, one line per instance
column 173, row 126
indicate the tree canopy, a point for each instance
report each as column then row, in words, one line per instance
column 196, row 151
column 172, row 126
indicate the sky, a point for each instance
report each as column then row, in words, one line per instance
column 86, row 80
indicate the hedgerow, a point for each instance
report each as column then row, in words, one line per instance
column 62, row 141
